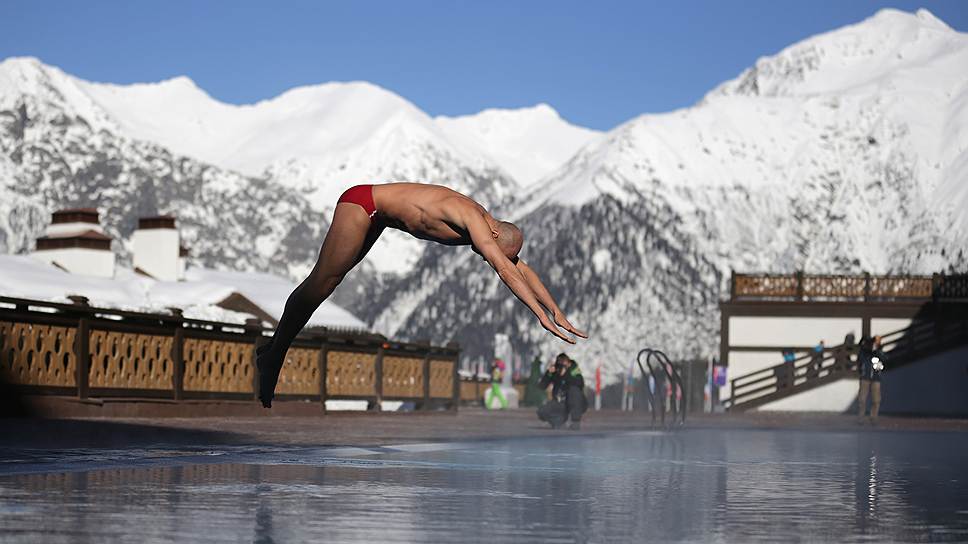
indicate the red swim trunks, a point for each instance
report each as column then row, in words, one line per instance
column 361, row 195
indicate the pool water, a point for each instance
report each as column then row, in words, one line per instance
column 690, row 485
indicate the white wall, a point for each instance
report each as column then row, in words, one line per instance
column 744, row 362
column 780, row 333
column 884, row 325
column 156, row 252
column 784, row 332
column 64, row 229
column 836, row 397
column 90, row 262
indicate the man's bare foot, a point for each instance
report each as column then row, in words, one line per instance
column 269, row 364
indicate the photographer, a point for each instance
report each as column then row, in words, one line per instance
column 567, row 395
column 870, row 364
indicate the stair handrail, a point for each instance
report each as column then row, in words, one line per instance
column 672, row 374
column 906, row 339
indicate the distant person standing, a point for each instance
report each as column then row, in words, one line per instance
column 497, row 375
column 534, row 394
column 843, row 352
column 870, row 364
column 816, row 360
column 784, row 374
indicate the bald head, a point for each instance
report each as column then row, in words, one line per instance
column 509, row 239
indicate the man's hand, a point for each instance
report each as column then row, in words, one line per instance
column 562, row 322
column 550, row 327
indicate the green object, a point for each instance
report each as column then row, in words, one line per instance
column 498, row 394
column 534, row 395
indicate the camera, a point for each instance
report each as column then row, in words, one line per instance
column 877, row 364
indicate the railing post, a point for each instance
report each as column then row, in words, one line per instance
column 426, row 381
column 323, row 370
column 732, row 285
column 254, row 328
column 867, row 286
column 800, row 288
column 178, row 360
column 455, row 394
column 378, row 371
column 82, row 351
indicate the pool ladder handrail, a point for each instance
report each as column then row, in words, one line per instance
column 671, row 372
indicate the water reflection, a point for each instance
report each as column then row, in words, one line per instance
column 687, row 486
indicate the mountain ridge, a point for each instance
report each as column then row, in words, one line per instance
column 790, row 165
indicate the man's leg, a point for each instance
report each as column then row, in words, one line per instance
column 575, row 406
column 875, row 400
column 500, row 396
column 350, row 237
column 553, row 412
column 862, row 397
column 496, row 393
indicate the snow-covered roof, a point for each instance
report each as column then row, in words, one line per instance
column 198, row 296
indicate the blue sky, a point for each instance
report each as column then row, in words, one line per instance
column 598, row 63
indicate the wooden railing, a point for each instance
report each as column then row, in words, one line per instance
column 78, row 350
column 866, row 287
column 806, row 372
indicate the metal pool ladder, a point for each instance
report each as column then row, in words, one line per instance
column 657, row 359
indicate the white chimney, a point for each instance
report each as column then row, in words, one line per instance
column 182, row 261
column 76, row 243
column 157, row 249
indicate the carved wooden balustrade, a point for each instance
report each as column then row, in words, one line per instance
column 74, row 349
column 865, row 287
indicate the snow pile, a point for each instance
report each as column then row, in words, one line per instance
column 197, row 297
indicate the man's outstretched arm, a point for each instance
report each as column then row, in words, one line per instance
column 511, row 276
column 545, row 298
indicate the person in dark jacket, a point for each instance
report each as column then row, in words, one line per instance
column 567, row 394
column 870, row 364
column 843, row 352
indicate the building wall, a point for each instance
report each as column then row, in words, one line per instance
column 63, row 229
column 91, row 262
column 156, row 251
column 838, row 397
column 934, row 386
column 784, row 332
column 779, row 333
column 884, row 325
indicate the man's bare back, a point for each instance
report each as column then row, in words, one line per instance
column 428, row 212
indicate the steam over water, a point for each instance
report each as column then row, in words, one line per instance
column 694, row 485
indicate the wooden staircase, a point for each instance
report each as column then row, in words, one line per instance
column 901, row 347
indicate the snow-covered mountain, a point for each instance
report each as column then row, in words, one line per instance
column 319, row 140
column 842, row 153
column 528, row 143
column 59, row 149
column 846, row 152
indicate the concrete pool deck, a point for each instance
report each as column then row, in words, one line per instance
column 375, row 429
